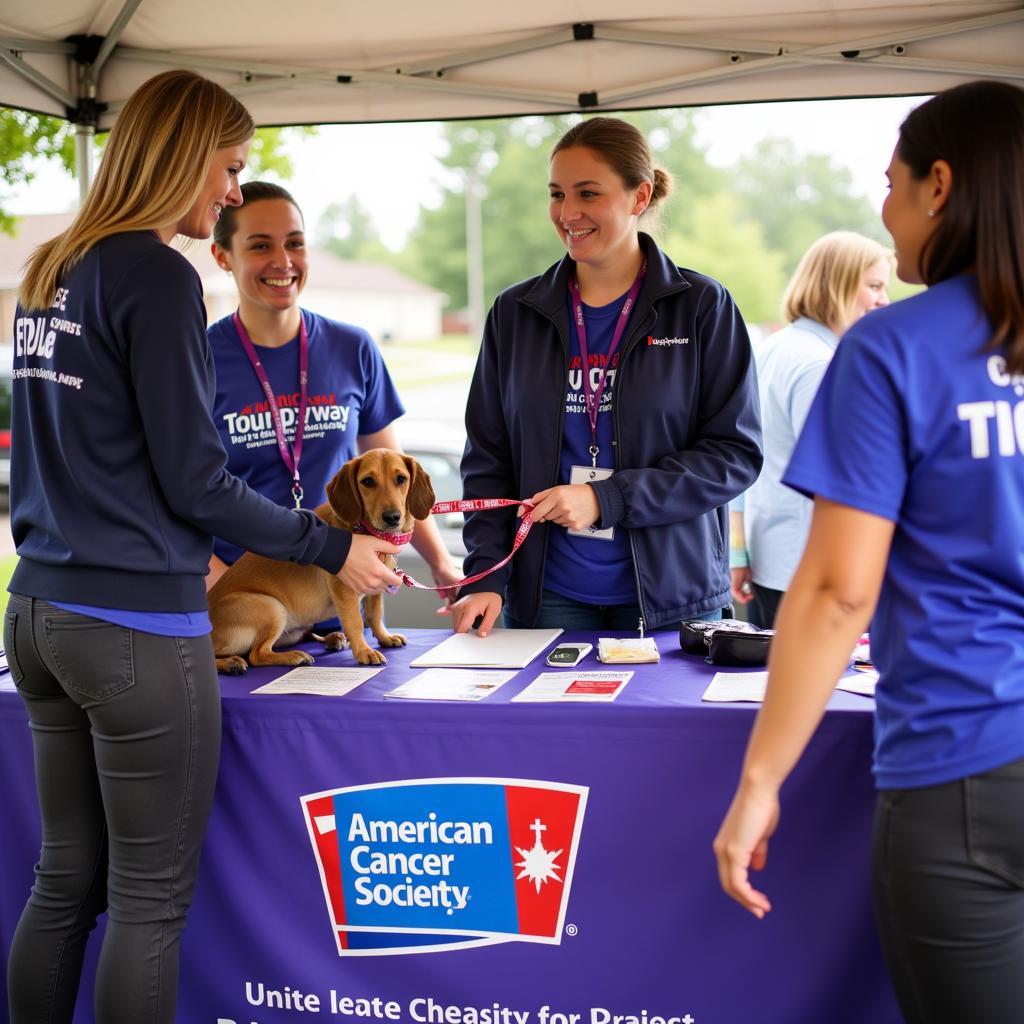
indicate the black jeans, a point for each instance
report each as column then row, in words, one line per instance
column 762, row 610
column 126, row 734
column 948, row 867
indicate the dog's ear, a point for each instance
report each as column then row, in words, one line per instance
column 343, row 494
column 421, row 491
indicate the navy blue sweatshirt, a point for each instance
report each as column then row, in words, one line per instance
column 118, row 478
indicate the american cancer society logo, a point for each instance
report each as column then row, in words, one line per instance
column 439, row 864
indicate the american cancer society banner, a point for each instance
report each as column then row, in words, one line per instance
column 445, row 863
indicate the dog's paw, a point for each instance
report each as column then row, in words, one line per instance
column 392, row 640
column 369, row 656
column 232, row 666
column 297, row 658
column 336, row 641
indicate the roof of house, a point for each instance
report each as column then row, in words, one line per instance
column 327, row 271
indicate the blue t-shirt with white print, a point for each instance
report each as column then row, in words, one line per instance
column 350, row 393
column 918, row 423
column 586, row 569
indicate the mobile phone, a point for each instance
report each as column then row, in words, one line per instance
column 569, row 655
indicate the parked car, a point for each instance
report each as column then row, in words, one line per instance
column 438, row 449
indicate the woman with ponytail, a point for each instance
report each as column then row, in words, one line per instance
column 616, row 392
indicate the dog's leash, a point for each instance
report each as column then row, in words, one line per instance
column 461, row 505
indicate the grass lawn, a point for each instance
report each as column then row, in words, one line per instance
column 425, row 363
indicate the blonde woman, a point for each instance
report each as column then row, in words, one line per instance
column 841, row 277
column 118, row 483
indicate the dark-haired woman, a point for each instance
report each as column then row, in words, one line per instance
column 334, row 394
column 616, row 392
column 914, row 454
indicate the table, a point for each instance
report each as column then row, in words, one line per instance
column 642, row 933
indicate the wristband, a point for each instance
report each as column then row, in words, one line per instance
column 738, row 558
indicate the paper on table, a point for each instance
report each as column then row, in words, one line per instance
column 736, row 686
column 322, row 682
column 451, row 684
column 750, row 686
column 501, row 648
column 575, row 686
column 860, row 682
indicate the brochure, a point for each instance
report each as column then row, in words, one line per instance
column 575, row 686
column 321, row 682
column 451, row 684
column 501, row 648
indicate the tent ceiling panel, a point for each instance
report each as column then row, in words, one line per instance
column 323, row 61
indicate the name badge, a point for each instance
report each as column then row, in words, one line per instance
column 589, row 475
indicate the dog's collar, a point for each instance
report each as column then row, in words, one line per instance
column 398, row 539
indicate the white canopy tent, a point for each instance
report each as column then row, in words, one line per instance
column 323, row 61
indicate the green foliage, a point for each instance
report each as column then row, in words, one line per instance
column 24, row 137
column 347, row 230
column 796, row 199
column 721, row 244
column 268, row 153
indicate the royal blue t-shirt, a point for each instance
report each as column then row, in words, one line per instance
column 915, row 422
column 585, row 569
column 350, row 393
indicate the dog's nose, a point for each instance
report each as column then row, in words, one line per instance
column 392, row 517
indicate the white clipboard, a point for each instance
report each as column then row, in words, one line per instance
column 501, row 648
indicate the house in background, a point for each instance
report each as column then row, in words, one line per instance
column 391, row 306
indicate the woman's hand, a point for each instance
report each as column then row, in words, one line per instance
column 573, row 506
column 486, row 606
column 742, row 585
column 742, row 845
column 445, row 575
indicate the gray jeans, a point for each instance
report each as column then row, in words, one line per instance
column 126, row 734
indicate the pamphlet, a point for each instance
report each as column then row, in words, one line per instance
column 575, row 686
column 451, row 684
column 322, row 682
column 733, row 687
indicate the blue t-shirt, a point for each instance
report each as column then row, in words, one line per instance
column 585, row 569
column 350, row 393
column 915, row 422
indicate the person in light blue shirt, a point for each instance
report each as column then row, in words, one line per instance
column 841, row 277
column 914, row 453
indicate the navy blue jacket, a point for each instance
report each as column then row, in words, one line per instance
column 686, row 427
column 117, row 471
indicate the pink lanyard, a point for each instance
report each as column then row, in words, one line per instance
column 460, row 505
column 594, row 394
column 290, row 456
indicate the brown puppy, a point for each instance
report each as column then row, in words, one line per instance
column 259, row 602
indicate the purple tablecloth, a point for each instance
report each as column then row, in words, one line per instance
column 643, row 930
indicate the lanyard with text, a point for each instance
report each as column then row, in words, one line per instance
column 290, row 456
column 594, row 394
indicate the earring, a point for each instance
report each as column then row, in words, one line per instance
column 931, row 213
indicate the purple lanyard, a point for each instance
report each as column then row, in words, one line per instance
column 594, row 394
column 290, row 456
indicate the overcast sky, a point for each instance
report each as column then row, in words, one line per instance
column 392, row 167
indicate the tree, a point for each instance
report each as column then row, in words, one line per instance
column 25, row 137
column 510, row 160
column 347, row 230
column 796, row 199
column 722, row 244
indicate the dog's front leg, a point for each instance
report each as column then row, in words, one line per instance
column 346, row 604
column 373, row 612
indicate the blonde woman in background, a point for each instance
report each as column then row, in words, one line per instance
column 841, row 277
column 118, row 481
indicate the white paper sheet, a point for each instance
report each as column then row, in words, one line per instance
column 575, row 686
column 501, row 648
column 321, row 682
column 737, row 686
column 451, row 684
column 731, row 687
column 859, row 682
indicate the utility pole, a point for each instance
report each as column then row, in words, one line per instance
column 474, row 253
